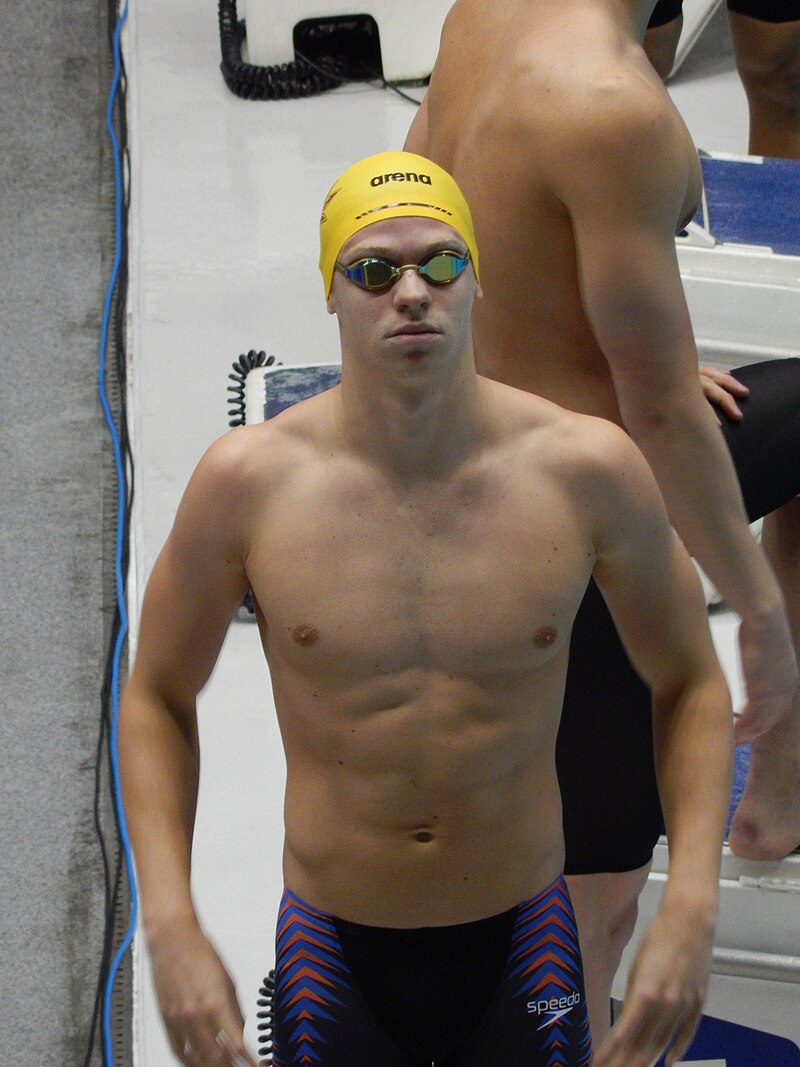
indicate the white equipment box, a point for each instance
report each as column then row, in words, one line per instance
column 409, row 31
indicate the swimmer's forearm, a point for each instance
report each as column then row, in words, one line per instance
column 693, row 741
column 159, row 765
column 696, row 477
column 641, row 321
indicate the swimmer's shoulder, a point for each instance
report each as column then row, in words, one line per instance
column 262, row 454
column 621, row 113
column 622, row 144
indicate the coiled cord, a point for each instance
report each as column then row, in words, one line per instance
column 237, row 416
column 237, row 413
column 266, row 1002
column 286, row 81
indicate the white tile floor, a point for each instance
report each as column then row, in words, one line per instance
column 225, row 204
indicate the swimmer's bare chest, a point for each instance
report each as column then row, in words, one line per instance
column 417, row 649
column 472, row 580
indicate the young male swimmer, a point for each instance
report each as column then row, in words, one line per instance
column 418, row 541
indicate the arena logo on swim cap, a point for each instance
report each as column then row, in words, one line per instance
column 401, row 204
column 399, row 176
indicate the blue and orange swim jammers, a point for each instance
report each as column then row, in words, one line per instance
column 504, row 990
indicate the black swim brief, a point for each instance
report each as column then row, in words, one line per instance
column 762, row 10
column 507, row 990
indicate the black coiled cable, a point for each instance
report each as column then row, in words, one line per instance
column 237, row 416
column 266, row 1002
column 241, row 368
column 283, row 82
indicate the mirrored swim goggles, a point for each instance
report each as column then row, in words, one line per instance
column 440, row 268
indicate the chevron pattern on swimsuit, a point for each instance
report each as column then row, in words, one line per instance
column 545, row 959
column 310, row 961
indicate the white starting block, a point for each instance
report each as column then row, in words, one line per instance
column 409, row 31
column 740, row 261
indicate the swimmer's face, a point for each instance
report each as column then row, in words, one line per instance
column 413, row 317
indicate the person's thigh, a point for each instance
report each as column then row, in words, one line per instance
column 604, row 753
column 665, row 11
column 765, row 443
column 663, row 36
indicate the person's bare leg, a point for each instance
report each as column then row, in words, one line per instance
column 606, row 906
column 661, row 44
column 768, row 59
column 766, row 825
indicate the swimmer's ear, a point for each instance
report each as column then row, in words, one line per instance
column 331, row 304
column 478, row 291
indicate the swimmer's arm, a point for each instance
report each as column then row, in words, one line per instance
column 625, row 191
column 654, row 595
column 194, row 589
column 417, row 137
column 624, row 214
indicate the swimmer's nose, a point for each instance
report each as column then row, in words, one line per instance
column 411, row 290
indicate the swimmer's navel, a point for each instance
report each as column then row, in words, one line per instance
column 545, row 636
column 423, row 836
column 305, row 634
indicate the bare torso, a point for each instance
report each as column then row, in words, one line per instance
column 516, row 82
column 417, row 640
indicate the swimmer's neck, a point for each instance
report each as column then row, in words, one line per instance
column 415, row 422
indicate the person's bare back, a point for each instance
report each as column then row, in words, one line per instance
column 527, row 102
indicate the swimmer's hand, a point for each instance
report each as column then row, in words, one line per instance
column 722, row 389
column 666, row 989
column 197, row 999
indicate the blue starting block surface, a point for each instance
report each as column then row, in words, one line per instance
column 731, row 1045
column 754, row 201
column 741, row 766
column 284, row 386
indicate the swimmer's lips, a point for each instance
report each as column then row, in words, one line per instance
column 415, row 332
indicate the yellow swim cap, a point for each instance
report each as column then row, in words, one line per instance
column 388, row 186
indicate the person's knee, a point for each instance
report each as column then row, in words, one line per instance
column 607, row 907
column 768, row 61
column 621, row 922
column 776, row 87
